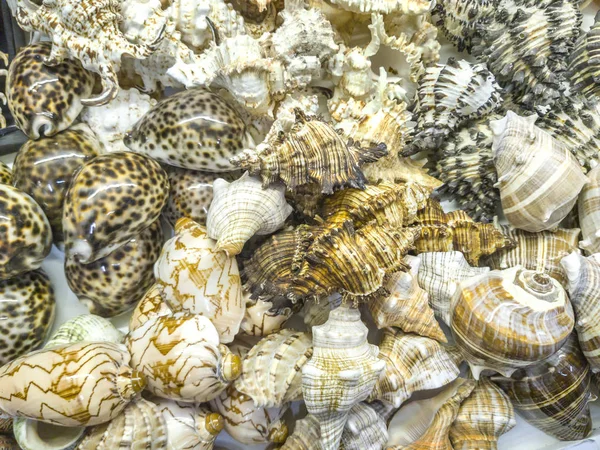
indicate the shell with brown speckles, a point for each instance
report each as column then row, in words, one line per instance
column 5, row 174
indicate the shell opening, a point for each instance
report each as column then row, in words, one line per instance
column 34, row 434
column 231, row 365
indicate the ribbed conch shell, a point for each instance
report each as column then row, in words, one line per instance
column 140, row 424
column 439, row 274
column 272, row 370
column 584, row 291
column 341, row 373
column 583, row 61
column 538, row 177
column 181, row 358
column 193, row 276
column 112, row 198
column 553, row 395
column 189, row 426
column 241, row 209
column 541, row 252
column 33, row 386
column 482, row 418
column 312, row 152
column 261, row 319
column 527, row 312
column 407, row 304
column 247, row 423
column 85, row 328
column 589, row 213
column 425, row 424
column 5, row 174
column 151, row 305
column 458, row 20
column 447, row 96
column 413, row 363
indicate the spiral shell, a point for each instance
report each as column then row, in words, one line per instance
column 459, row 19
column 589, row 213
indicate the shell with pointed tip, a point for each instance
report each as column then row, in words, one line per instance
column 527, row 312
column 115, row 283
column 538, row 177
column 341, row 373
column 181, row 357
column 85, row 328
column 55, row 102
column 583, row 61
column 45, row 168
column 406, row 306
column 413, row 363
column 25, row 233
column 449, row 95
column 312, row 152
column 5, row 174
column 425, row 424
column 247, row 423
column 193, row 276
column 271, row 371
column 241, row 209
column 439, row 274
column 584, row 291
column 140, row 424
column 98, row 371
column 589, row 213
column 193, row 129
column 151, row 305
column 260, row 319
column 482, row 418
column 112, row 198
column 553, row 395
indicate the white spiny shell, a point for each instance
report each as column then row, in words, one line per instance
column 589, row 213
column 439, row 274
column 261, row 319
column 412, row 7
column 181, row 357
column 341, row 372
column 192, row 276
column 241, row 209
column 271, row 371
column 539, row 179
column 413, row 363
column 583, row 61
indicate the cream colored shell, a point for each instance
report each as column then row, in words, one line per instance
column 589, row 212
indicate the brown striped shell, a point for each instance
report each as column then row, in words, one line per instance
column 151, row 305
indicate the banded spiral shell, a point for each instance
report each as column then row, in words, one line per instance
column 589, row 213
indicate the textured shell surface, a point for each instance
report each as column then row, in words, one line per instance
column 553, row 395
column 341, row 373
column 386, row 6
column 317, row 312
column 31, row 434
column 458, row 19
column 45, row 99
column 115, row 283
column 181, row 358
column 33, row 386
column 243, row 208
column 193, row 129
column 261, row 319
column 439, row 274
column 528, row 313
column 27, row 306
column 112, row 199
column 482, row 418
column 272, row 370
column 589, row 213
column 45, row 168
column 140, row 425
column 85, row 328
column 25, row 233
column 583, row 61
column 193, row 276
column 364, row 429
column 5, row 174
column 306, row 435
column 530, row 163
column 413, row 363
column 152, row 304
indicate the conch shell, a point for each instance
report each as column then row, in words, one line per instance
column 539, row 179
column 341, row 373
column 241, row 209
column 527, row 312
column 589, row 213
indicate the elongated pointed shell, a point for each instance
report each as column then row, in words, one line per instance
column 181, row 357
column 33, row 386
column 192, row 276
column 553, row 395
column 482, row 418
column 528, row 313
column 241, row 209
column 141, row 424
column 413, row 363
column 272, row 370
column 539, row 179
column 589, row 213
column 341, row 373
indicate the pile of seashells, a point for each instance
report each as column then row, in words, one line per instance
column 313, row 282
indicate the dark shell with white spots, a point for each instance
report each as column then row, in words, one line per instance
column 5, row 174
column 44, row 169
column 27, row 306
column 193, row 129
column 112, row 198
column 43, row 99
column 25, row 234
column 115, row 283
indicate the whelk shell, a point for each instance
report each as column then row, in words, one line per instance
column 589, row 213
